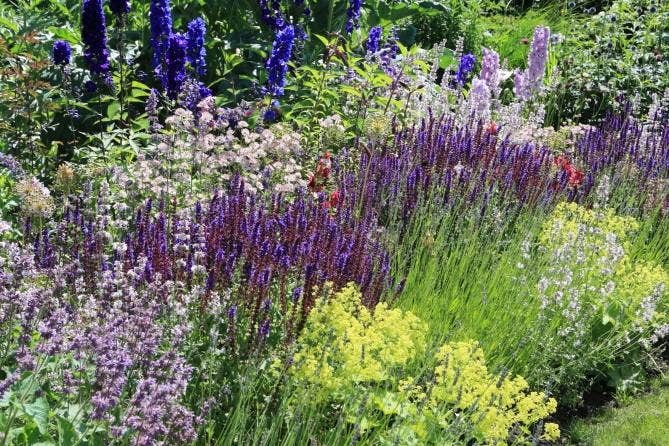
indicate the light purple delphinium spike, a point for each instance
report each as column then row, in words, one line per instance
column 490, row 70
column 529, row 82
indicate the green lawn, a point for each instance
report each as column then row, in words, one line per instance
column 644, row 421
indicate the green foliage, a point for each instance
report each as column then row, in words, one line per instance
column 621, row 51
column 454, row 20
column 510, row 35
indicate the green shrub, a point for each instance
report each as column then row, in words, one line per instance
column 459, row 20
column 620, row 52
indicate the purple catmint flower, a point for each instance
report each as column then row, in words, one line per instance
column 479, row 99
column 119, row 7
column 11, row 379
column 466, row 66
column 490, row 70
column 196, row 51
column 61, row 52
column 160, row 16
column 373, row 39
column 94, row 37
column 154, row 410
column 11, row 164
column 353, row 15
column 277, row 64
column 175, row 65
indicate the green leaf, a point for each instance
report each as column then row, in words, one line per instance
column 323, row 40
column 447, row 59
column 39, row 412
column 113, row 109
column 139, row 85
column 67, row 434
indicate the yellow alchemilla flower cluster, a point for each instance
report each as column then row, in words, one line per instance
column 344, row 343
column 567, row 217
column 494, row 404
column 349, row 353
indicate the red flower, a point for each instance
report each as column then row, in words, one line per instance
column 334, row 198
column 333, row 201
column 492, row 128
column 318, row 179
column 562, row 162
column 313, row 187
column 575, row 176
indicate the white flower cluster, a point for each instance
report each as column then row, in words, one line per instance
column 203, row 151
column 36, row 200
column 333, row 132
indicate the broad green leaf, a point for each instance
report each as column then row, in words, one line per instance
column 323, row 40
column 39, row 412
column 67, row 434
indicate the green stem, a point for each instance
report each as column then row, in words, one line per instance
column 330, row 14
column 121, row 52
column 12, row 416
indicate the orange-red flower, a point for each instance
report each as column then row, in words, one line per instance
column 574, row 175
column 318, row 179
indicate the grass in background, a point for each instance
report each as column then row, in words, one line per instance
column 506, row 32
column 641, row 422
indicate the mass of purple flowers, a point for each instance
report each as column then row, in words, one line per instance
column 373, row 40
column 160, row 16
column 119, row 7
column 465, row 68
column 196, row 51
column 174, row 74
column 277, row 64
column 163, row 293
column 94, row 37
column 353, row 15
column 61, row 52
